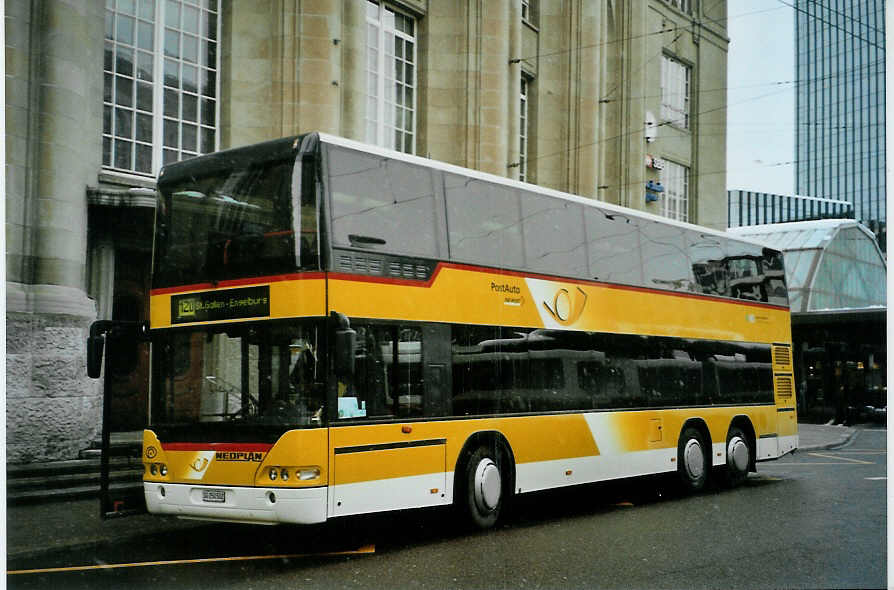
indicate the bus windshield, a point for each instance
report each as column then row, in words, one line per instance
column 246, row 374
column 231, row 218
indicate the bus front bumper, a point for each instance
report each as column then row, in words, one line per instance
column 237, row 504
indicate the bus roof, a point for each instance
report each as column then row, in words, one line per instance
column 288, row 146
column 493, row 178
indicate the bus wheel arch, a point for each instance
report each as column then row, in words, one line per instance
column 694, row 455
column 484, row 480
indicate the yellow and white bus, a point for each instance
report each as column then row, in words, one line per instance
column 339, row 329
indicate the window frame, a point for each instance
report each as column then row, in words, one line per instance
column 157, row 149
column 378, row 129
column 673, row 113
column 679, row 198
column 684, row 6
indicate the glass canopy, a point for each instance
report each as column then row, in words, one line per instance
column 829, row 264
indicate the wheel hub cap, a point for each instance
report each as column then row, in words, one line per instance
column 737, row 454
column 487, row 485
column 694, row 459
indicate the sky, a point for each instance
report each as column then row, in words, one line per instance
column 760, row 96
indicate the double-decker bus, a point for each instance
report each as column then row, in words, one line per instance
column 339, row 329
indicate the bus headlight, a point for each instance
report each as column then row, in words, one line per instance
column 307, row 473
column 284, row 475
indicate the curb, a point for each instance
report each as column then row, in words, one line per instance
column 843, row 440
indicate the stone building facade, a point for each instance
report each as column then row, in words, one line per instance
column 617, row 100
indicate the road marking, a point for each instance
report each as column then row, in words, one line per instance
column 842, row 458
column 875, row 478
column 811, row 463
column 108, row 566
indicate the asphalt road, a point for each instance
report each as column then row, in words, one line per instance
column 812, row 520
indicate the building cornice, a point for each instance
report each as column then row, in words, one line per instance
column 134, row 197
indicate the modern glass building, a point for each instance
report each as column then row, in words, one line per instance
column 840, row 105
column 757, row 208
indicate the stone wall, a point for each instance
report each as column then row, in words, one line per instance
column 52, row 409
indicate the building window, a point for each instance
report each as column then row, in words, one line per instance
column 161, row 86
column 523, row 131
column 675, row 201
column 681, row 5
column 675, row 92
column 391, row 78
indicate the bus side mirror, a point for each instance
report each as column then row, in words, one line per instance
column 94, row 355
column 345, row 344
column 95, row 344
column 97, row 339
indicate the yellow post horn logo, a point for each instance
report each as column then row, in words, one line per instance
column 200, row 464
column 567, row 308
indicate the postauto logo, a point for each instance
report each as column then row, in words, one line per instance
column 566, row 306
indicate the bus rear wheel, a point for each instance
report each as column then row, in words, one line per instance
column 738, row 457
column 693, row 459
column 484, row 479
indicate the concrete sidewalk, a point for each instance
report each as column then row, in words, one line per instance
column 813, row 437
column 33, row 530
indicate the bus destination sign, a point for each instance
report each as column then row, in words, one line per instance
column 230, row 304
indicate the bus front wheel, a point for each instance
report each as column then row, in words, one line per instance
column 484, row 487
column 693, row 459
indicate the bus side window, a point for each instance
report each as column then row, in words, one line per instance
column 387, row 375
column 366, row 396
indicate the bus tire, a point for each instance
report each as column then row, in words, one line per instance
column 738, row 457
column 484, row 487
column 693, row 459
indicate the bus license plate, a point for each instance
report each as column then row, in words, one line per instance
column 214, row 496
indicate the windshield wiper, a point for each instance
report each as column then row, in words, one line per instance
column 359, row 241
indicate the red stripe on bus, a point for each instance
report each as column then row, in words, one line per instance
column 230, row 447
column 238, row 283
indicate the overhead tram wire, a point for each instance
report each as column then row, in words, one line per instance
column 845, row 72
column 726, row 170
column 662, row 31
column 635, row 131
column 682, row 28
column 667, row 123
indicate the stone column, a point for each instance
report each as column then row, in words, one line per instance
column 246, row 107
column 352, row 49
column 319, row 64
column 493, row 66
column 54, row 137
column 552, row 81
